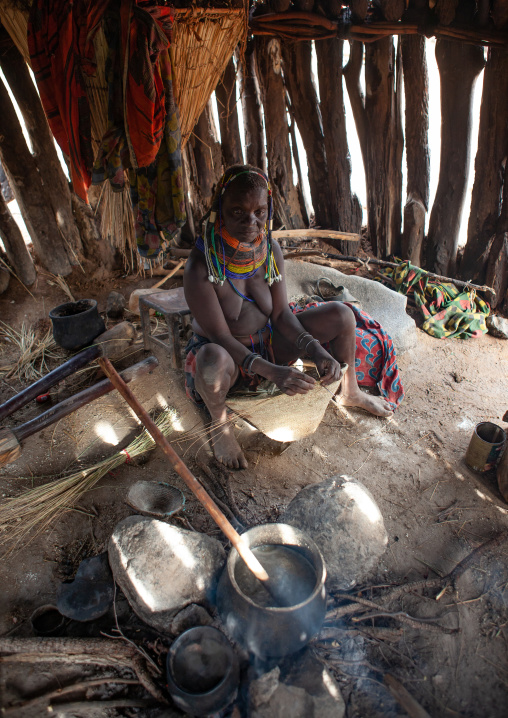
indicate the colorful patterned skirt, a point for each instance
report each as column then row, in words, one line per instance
column 375, row 361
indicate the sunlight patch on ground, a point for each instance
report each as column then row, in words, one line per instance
column 106, row 432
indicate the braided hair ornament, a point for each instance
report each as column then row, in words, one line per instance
column 218, row 268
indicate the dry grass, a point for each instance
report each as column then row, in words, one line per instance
column 33, row 352
column 25, row 516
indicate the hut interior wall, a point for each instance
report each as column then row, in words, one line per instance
column 277, row 92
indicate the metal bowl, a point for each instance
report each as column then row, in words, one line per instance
column 155, row 499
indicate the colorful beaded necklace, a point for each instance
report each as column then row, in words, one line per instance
column 235, row 259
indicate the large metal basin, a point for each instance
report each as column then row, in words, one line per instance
column 273, row 631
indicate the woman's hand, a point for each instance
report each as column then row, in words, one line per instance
column 289, row 380
column 328, row 368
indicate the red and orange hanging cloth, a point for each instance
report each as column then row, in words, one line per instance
column 143, row 133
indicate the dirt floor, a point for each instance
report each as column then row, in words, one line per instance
column 435, row 509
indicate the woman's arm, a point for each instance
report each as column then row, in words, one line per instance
column 291, row 329
column 205, row 307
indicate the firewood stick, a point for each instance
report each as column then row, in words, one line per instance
column 404, row 698
column 197, row 489
column 169, row 274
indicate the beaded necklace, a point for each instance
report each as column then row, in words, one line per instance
column 235, row 259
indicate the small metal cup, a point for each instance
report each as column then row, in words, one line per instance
column 485, row 447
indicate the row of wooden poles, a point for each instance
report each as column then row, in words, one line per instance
column 277, row 90
column 278, row 93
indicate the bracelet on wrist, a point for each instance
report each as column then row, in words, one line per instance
column 301, row 339
column 306, row 350
column 249, row 361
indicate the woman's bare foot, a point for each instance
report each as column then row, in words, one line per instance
column 373, row 404
column 226, row 448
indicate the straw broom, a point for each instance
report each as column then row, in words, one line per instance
column 36, row 509
column 33, row 352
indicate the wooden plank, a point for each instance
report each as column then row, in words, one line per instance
column 318, row 233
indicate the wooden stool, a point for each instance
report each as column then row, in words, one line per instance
column 173, row 307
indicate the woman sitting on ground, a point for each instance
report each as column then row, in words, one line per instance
column 244, row 329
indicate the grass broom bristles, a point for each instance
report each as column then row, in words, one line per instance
column 30, row 513
column 33, row 352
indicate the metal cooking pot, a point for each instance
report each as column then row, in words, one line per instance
column 273, row 631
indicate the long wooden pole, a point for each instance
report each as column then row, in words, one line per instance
column 238, row 541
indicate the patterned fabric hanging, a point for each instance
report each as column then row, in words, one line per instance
column 447, row 311
column 143, row 133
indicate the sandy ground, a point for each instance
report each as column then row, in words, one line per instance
column 413, row 465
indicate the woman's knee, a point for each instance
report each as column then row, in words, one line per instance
column 214, row 366
column 342, row 316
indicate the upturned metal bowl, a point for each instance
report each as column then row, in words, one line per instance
column 268, row 630
column 155, row 499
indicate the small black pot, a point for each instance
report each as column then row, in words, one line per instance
column 76, row 324
column 202, row 671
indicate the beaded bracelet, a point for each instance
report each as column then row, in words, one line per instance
column 249, row 361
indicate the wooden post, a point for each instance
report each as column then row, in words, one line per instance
column 28, row 187
column 252, row 113
column 269, row 72
column 15, row 247
column 459, row 66
column 490, row 171
column 207, row 156
column 345, row 209
column 416, row 90
column 225, row 93
column 384, row 145
column 43, row 145
column 299, row 81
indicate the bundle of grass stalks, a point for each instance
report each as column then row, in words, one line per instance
column 33, row 352
column 24, row 517
column 14, row 17
column 203, row 43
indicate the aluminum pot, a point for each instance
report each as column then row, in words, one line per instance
column 273, row 631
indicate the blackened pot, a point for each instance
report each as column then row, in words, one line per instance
column 202, row 671
column 273, row 631
column 76, row 324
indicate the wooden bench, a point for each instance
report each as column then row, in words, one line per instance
column 173, row 307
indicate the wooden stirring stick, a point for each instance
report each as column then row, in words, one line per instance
column 238, row 541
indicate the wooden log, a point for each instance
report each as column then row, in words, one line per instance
column 392, row 9
column 384, row 145
column 490, row 170
column 225, row 92
column 252, row 113
column 15, row 247
column 416, row 90
column 206, row 151
column 352, row 73
column 345, row 209
column 404, row 698
column 44, row 152
column 318, row 234
column 445, row 10
column 10, row 440
column 500, row 13
column 459, row 66
column 300, row 85
column 46, row 382
column 269, row 73
column 302, row 199
column 28, row 187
